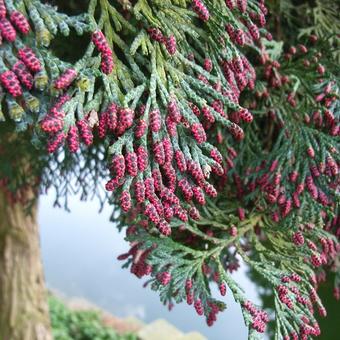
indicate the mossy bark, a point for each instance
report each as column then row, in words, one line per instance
column 24, row 311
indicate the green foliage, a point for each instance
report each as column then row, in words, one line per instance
column 300, row 18
column 80, row 325
column 163, row 91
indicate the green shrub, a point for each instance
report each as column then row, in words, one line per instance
column 80, row 325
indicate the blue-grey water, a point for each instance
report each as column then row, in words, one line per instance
column 79, row 253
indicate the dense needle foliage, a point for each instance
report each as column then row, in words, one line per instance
column 217, row 134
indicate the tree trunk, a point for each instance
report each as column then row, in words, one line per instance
column 24, row 311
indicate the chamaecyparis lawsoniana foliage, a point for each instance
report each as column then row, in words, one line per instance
column 158, row 103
